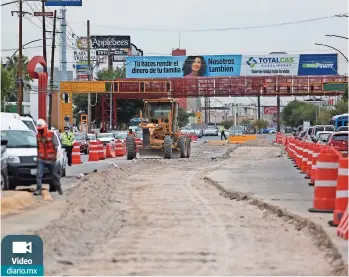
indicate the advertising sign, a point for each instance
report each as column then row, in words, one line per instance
column 67, row 3
column 269, row 65
column 112, row 42
column 43, row 13
column 270, row 110
column 183, row 66
column 318, row 64
column 82, row 55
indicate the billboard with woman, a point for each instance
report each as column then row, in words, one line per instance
column 182, row 66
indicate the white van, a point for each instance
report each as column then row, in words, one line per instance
column 22, row 152
column 29, row 121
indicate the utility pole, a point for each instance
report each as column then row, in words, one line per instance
column 52, row 69
column 110, row 67
column 20, row 13
column 44, row 35
column 64, row 44
column 88, row 74
column 259, row 106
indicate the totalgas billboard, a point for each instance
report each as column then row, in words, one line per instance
column 231, row 65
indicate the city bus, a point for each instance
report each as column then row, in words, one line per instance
column 339, row 120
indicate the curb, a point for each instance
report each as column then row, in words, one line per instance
column 19, row 201
column 323, row 240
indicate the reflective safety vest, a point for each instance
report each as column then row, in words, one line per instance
column 46, row 148
column 67, row 139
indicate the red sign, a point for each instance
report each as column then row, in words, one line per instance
column 270, row 110
column 43, row 13
column 82, row 76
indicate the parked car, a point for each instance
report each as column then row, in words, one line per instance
column 307, row 136
column 28, row 120
column 322, row 137
column 236, row 131
column 343, row 128
column 321, row 128
column 339, row 140
column 211, row 130
column 300, row 135
column 106, row 138
column 4, row 172
column 22, row 153
column 92, row 137
column 83, row 139
column 121, row 135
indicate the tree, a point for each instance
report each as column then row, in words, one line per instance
column 227, row 123
column 183, row 117
column 296, row 112
column 9, row 78
column 260, row 124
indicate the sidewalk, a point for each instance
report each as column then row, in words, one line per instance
column 260, row 173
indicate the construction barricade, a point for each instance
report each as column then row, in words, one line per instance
column 236, row 139
column 325, row 181
column 315, row 155
column 110, row 151
column 76, row 155
column 342, row 229
column 93, row 152
column 120, row 148
column 101, row 153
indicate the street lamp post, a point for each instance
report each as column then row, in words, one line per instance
column 329, row 46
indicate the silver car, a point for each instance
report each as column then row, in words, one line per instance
column 211, row 131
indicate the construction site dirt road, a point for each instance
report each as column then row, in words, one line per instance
column 162, row 217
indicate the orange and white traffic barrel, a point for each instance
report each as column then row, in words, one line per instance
column 101, row 153
column 341, row 192
column 315, row 155
column 325, row 181
column 76, row 155
column 93, row 152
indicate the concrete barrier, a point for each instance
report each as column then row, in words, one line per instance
column 236, row 139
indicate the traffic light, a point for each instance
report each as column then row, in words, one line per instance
column 288, row 88
column 168, row 86
column 264, row 88
column 312, row 88
column 142, row 87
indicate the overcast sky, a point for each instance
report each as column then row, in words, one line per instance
column 115, row 17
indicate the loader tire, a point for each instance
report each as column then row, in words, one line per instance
column 182, row 143
column 168, row 147
column 131, row 148
column 188, row 143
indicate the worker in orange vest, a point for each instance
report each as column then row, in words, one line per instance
column 47, row 146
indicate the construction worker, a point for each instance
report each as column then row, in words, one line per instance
column 68, row 139
column 222, row 130
column 47, row 146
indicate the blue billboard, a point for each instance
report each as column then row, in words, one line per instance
column 183, row 66
column 60, row 3
column 318, row 64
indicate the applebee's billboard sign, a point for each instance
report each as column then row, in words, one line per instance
column 112, row 42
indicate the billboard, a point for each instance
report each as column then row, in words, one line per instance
column 232, row 65
column 112, row 42
column 60, row 3
column 270, row 65
column 318, row 64
column 183, row 66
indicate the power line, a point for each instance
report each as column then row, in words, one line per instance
column 219, row 29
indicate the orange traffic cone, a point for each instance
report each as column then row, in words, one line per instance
column 110, row 151
column 76, row 156
column 341, row 192
column 93, row 152
column 342, row 229
column 119, row 148
column 325, row 181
